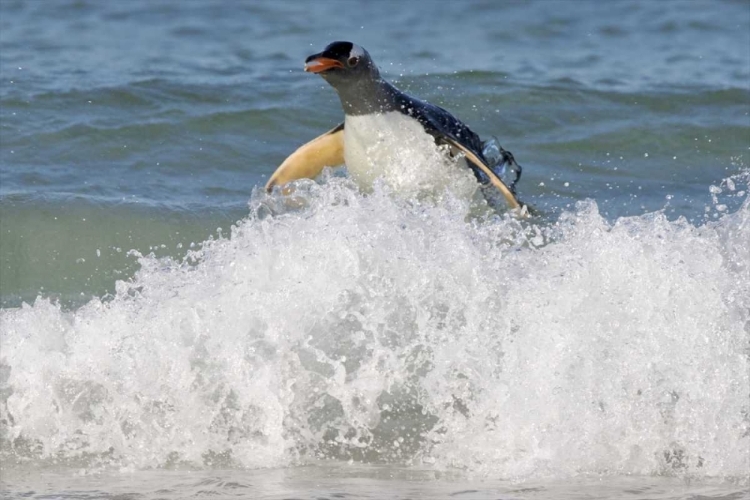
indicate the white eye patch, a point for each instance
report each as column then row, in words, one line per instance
column 356, row 51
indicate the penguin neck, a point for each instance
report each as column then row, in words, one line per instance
column 368, row 96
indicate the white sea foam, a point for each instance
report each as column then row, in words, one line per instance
column 366, row 327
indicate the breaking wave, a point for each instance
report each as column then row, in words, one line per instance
column 335, row 325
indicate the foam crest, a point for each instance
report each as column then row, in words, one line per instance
column 332, row 324
column 627, row 352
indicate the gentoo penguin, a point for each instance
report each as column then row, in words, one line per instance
column 379, row 116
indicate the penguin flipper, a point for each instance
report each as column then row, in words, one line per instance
column 479, row 163
column 309, row 159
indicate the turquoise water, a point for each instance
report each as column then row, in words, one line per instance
column 161, row 312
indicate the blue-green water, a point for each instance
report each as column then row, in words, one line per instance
column 159, row 310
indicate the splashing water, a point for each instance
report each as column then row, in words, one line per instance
column 331, row 324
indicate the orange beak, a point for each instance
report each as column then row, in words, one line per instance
column 322, row 64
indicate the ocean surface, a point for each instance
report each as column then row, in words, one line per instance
column 170, row 330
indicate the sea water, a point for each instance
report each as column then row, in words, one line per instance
column 170, row 330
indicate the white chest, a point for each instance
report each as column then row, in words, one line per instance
column 394, row 147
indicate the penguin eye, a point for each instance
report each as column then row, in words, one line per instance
column 352, row 61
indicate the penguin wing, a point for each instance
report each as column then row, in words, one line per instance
column 447, row 129
column 477, row 162
column 309, row 159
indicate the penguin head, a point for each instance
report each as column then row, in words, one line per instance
column 342, row 63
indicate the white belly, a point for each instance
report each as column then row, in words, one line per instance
column 395, row 148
